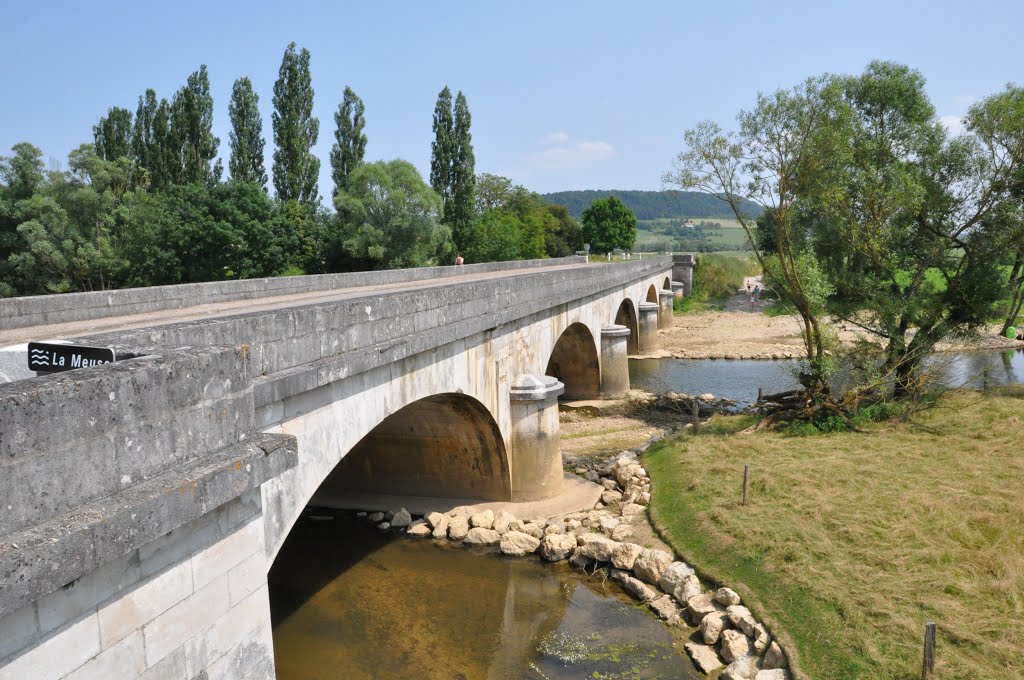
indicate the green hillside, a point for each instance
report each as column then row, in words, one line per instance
column 650, row 205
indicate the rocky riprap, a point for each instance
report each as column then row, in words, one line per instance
column 726, row 633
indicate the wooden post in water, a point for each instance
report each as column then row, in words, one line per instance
column 928, row 667
column 760, row 394
column 746, row 482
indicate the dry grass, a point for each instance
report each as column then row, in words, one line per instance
column 852, row 541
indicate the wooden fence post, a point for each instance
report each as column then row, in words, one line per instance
column 928, row 667
column 746, row 482
column 695, row 416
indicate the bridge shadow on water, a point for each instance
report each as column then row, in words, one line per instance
column 318, row 550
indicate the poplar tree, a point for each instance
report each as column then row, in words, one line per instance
column 246, row 136
column 295, row 130
column 350, row 141
column 112, row 136
column 452, row 164
column 441, row 149
column 145, row 150
column 192, row 131
column 460, row 211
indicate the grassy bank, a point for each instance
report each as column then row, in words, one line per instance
column 850, row 542
column 715, row 279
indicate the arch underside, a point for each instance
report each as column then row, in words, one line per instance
column 652, row 294
column 575, row 363
column 626, row 316
column 444, row 446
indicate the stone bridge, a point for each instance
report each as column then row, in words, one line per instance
column 144, row 501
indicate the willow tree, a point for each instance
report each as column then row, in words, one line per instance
column 786, row 156
column 917, row 234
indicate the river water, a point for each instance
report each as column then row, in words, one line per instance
column 738, row 380
column 349, row 603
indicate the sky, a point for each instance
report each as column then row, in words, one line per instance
column 563, row 95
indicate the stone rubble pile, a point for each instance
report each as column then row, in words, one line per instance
column 727, row 634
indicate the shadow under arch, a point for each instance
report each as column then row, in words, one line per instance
column 445, row 446
column 652, row 294
column 575, row 363
column 626, row 316
column 667, row 284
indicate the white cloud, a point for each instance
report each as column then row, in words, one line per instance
column 562, row 152
column 955, row 124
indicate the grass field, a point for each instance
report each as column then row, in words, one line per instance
column 656, row 234
column 851, row 542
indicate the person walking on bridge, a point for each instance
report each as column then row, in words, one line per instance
column 458, row 260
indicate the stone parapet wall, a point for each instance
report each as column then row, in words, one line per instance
column 193, row 601
column 40, row 310
column 70, row 438
column 299, row 348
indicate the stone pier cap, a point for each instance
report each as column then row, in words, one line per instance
column 529, row 387
column 615, row 331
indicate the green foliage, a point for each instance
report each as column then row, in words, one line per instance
column 389, row 217
column 515, row 223
column 296, row 169
column 349, row 138
column 452, row 164
column 112, row 136
column 246, row 136
column 715, row 279
column 609, row 225
column 650, row 205
column 194, row 145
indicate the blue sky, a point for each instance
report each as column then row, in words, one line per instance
column 564, row 95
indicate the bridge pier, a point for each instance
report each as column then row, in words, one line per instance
column 535, row 465
column 678, row 290
column 648, row 327
column 682, row 270
column 665, row 310
column 614, row 360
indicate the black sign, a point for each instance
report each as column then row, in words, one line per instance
column 50, row 358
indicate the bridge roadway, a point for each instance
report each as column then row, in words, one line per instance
column 147, row 500
column 80, row 329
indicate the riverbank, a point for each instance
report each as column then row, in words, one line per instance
column 852, row 552
column 739, row 333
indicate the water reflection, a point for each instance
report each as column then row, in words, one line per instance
column 349, row 602
column 739, row 380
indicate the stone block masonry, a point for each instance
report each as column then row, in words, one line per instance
column 193, row 601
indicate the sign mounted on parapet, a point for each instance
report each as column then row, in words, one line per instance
column 46, row 357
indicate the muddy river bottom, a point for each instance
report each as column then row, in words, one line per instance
column 349, row 602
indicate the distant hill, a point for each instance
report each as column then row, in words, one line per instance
column 651, row 205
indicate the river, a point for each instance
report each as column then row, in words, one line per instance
column 739, row 380
column 349, row 602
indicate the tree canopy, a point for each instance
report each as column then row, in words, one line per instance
column 609, row 225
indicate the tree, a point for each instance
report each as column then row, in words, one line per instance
column 442, row 149
column 113, row 134
column 296, row 169
column 390, row 217
column 349, row 139
column 246, row 137
column 609, row 225
column 459, row 212
column 790, row 145
column 192, row 131
column 918, row 226
column 565, row 236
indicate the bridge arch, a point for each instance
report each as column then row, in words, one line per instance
column 574, row 361
column 666, row 284
column 446, row 445
column 626, row 316
column 652, row 294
